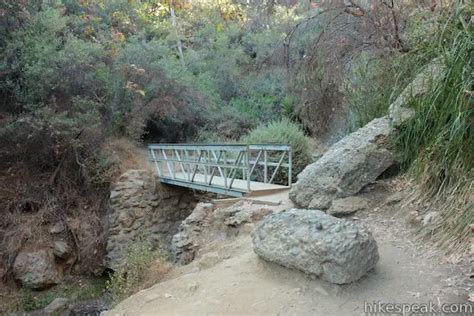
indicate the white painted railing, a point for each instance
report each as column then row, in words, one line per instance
column 222, row 168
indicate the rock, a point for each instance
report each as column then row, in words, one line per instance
column 185, row 242
column 58, row 306
column 61, row 249
column 395, row 198
column 57, row 228
column 430, row 218
column 114, row 194
column 399, row 114
column 398, row 110
column 348, row 166
column 200, row 213
column 346, row 206
column 87, row 307
column 126, row 219
column 209, row 260
column 241, row 212
column 336, row 250
column 36, row 269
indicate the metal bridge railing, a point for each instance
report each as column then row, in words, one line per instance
column 225, row 167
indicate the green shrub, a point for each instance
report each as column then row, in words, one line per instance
column 30, row 302
column 207, row 136
column 75, row 289
column 284, row 132
column 226, row 124
column 288, row 107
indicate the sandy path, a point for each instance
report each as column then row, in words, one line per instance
column 232, row 280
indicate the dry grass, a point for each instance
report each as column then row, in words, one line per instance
column 141, row 266
column 452, row 230
column 9, row 297
column 124, row 154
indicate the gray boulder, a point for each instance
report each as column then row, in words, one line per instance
column 347, row 206
column 398, row 110
column 336, row 250
column 36, row 269
column 349, row 165
column 185, row 243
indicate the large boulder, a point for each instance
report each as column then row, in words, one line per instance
column 36, row 269
column 399, row 111
column 185, row 243
column 336, row 250
column 348, row 166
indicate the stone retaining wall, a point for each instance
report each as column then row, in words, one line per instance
column 141, row 206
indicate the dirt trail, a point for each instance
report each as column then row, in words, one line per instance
column 229, row 279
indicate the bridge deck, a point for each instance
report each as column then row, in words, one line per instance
column 239, row 187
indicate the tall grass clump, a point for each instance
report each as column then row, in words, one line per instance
column 437, row 145
column 284, row 131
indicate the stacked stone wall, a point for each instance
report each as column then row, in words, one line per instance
column 142, row 207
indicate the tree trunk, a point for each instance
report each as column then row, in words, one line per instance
column 178, row 40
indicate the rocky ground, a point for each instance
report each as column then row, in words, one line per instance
column 227, row 277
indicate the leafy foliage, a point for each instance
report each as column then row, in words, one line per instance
column 76, row 74
column 284, row 132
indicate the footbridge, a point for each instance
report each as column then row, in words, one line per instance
column 228, row 169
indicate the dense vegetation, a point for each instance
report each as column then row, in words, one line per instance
column 284, row 132
column 80, row 80
column 437, row 145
